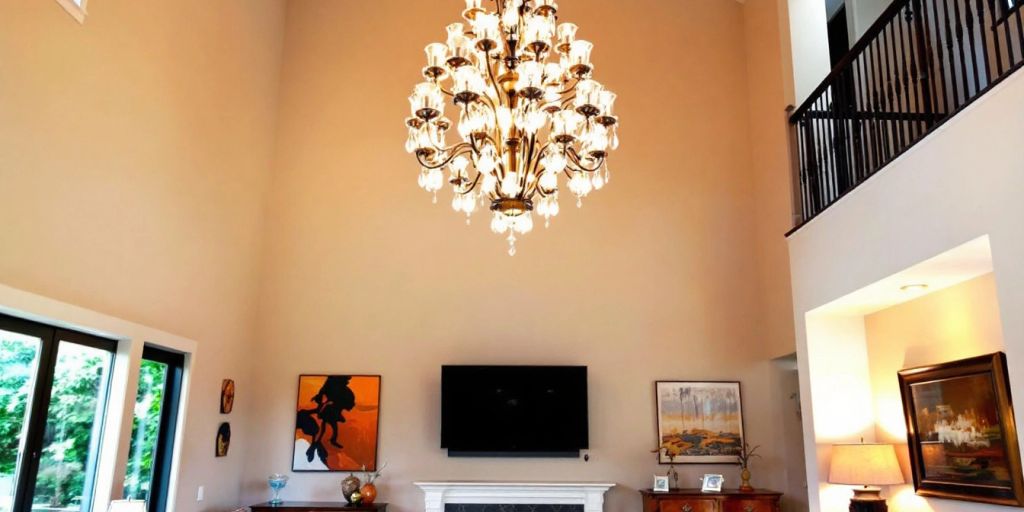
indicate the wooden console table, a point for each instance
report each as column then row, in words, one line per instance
column 318, row 506
column 729, row 500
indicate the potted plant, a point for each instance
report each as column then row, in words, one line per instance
column 369, row 489
column 747, row 453
column 671, row 451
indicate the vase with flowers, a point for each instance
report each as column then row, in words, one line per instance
column 369, row 490
column 671, row 451
column 747, row 454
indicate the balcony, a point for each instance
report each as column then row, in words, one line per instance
column 916, row 67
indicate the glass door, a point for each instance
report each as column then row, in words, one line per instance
column 20, row 346
column 66, row 462
column 156, row 413
column 53, row 390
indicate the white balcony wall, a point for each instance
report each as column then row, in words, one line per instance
column 962, row 183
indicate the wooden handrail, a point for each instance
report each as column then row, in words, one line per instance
column 918, row 65
column 869, row 36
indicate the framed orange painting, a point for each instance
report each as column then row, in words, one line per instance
column 337, row 423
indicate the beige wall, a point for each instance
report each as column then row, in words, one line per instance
column 134, row 157
column 655, row 278
column 136, row 154
column 769, row 92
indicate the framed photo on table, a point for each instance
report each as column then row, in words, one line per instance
column 712, row 483
column 660, row 483
column 961, row 431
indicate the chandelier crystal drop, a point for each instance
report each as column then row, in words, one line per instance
column 528, row 111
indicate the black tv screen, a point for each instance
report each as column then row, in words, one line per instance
column 514, row 410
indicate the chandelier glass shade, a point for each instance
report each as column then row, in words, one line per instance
column 528, row 111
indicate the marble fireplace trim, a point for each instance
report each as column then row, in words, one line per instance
column 588, row 494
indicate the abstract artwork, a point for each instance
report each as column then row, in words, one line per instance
column 960, row 428
column 699, row 422
column 336, row 423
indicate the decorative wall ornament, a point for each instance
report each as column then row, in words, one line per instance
column 528, row 111
column 961, row 431
column 227, row 396
column 336, row 424
column 699, row 422
column 223, row 440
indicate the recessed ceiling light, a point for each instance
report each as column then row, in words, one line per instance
column 918, row 287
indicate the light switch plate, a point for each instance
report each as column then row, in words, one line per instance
column 199, row 493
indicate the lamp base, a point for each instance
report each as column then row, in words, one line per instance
column 868, row 499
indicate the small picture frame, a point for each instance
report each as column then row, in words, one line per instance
column 660, row 483
column 712, row 483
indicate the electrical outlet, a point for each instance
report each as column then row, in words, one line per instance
column 199, row 493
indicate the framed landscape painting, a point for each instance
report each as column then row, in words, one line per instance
column 699, row 422
column 337, row 423
column 961, row 431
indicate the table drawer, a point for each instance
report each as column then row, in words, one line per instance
column 687, row 505
column 749, row 506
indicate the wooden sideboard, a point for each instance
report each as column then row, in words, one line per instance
column 692, row 500
column 318, row 506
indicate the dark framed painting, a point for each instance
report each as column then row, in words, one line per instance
column 699, row 422
column 337, row 419
column 961, row 431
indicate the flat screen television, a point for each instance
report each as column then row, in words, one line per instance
column 510, row 411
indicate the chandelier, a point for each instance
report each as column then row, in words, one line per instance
column 528, row 111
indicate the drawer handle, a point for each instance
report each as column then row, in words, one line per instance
column 686, row 508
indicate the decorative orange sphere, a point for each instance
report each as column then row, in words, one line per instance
column 369, row 492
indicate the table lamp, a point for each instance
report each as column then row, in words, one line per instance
column 127, row 506
column 865, row 465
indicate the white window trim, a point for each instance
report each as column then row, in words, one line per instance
column 116, row 438
column 75, row 8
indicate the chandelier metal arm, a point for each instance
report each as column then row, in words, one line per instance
column 483, row 97
column 530, row 159
column 527, row 157
column 571, row 88
column 582, row 168
column 576, row 160
column 458, row 149
column 494, row 82
column 469, row 188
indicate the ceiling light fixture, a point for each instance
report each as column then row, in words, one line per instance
column 528, row 110
column 917, row 287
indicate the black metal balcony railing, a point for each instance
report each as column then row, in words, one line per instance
column 917, row 66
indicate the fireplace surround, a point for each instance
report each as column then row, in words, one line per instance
column 470, row 496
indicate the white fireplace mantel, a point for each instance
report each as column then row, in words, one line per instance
column 588, row 494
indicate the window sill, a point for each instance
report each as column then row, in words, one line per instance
column 75, row 9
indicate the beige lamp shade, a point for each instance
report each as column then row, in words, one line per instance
column 127, row 506
column 865, row 464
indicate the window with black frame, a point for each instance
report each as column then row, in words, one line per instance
column 53, row 390
column 156, row 413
